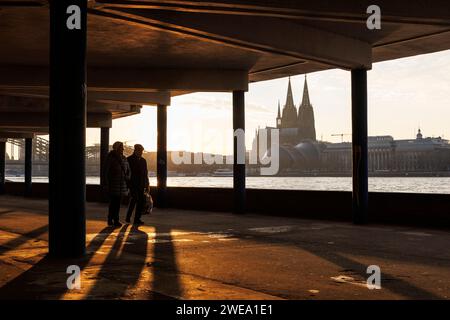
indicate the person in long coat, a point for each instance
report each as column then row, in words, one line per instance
column 116, row 175
column 139, row 184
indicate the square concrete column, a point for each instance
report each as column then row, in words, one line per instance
column 67, row 128
column 161, row 157
column 238, row 152
column 360, row 194
column 2, row 165
column 104, row 149
column 28, row 166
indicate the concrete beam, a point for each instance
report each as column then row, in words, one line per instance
column 41, row 120
column 418, row 12
column 132, row 79
column 252, row 33
column 4, row 135
column 34, row 130
column 12, row 103
column 116, row 97
column 142, row 98
column 99, row 120
column 21, row 4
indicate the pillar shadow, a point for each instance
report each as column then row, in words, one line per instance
column 388, row 281
column 47, row 278
column 18, row 241
column 166, row 279
column 122, row 268
column 166, row 275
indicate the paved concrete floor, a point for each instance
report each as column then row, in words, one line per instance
column 204, row 255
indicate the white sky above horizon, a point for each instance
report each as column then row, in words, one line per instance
column 403, row 94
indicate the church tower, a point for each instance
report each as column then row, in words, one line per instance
column 305, row 120
column 289, row 117
column 419, row 135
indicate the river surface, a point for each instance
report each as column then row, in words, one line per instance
column 376, row 184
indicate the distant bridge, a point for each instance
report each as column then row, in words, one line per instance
column 41, row 150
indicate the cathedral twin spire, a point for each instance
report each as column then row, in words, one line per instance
column 305, row 100
column 289, row 96
column 303, row 120
column 289, row 116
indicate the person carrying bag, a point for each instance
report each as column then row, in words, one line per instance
column 139, row 184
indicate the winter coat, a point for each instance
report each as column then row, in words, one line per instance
column 116, row 174
column 139, row 173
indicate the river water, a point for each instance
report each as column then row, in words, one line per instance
column 376, row 184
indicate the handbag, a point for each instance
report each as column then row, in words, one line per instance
column 148, row 203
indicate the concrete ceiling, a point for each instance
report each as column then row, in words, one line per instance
column 29, row 113
column 146, row 51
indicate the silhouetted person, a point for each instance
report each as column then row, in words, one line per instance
column 138, row 183
column 116, row 174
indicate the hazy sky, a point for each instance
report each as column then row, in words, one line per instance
column 403, row 94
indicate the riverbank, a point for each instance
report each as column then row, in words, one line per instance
column 433, row 185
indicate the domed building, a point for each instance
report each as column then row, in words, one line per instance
column 305, row 155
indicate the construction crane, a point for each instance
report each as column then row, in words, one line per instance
column 341, row 135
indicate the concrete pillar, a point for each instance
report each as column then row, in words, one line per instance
column 386, row 160
column 377, row 153
column 238, row 151
column 104, row 149
column 161, row 157
column 360, row 194
column 67, row 129
column 2, row 165
column 381, row 159
column 28, row 166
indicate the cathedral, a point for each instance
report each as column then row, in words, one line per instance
column 297, row 133
column 296, row 125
